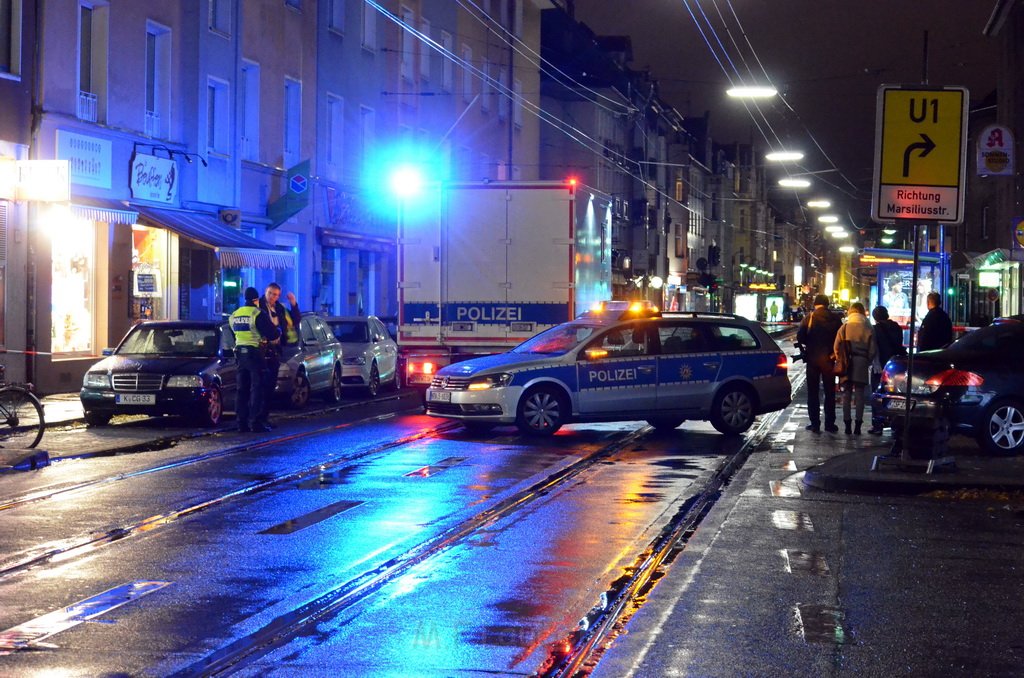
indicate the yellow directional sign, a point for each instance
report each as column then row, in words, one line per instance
column 920, row 154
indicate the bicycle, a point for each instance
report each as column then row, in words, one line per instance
column 21, row 415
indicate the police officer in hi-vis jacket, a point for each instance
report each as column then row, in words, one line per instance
column 253, row 329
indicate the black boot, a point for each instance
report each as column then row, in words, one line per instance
column 847, row 423
column 856, row 428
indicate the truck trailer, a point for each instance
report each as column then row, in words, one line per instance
column 484, row 266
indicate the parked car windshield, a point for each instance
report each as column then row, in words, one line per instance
column 558, row 340
column 172, row 341
column 351, row 331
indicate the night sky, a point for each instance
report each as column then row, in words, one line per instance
column 826, row 57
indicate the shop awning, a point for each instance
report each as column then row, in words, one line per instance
column 233, row 248
column 103, row 209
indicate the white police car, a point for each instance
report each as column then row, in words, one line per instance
column 620, row 363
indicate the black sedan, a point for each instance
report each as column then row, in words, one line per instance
column 171, row 367
column 977, row 382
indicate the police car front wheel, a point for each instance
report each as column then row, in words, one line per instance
column 542, row 411
column 733, row 411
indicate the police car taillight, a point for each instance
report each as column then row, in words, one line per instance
column 782, row 362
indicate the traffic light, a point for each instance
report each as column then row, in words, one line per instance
column 714, row 255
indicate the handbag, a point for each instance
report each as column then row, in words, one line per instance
column 842, row 359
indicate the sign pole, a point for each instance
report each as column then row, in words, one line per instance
column 911, row 345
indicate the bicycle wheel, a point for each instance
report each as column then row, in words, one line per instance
column 21, row 419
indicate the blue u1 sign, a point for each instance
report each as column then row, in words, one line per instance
column 486, row 313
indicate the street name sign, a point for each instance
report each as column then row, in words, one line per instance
column 920, row 154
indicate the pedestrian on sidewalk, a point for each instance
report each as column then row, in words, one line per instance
column 889, row 340
column 816, row 337
column 936, row 328
column 861, row 347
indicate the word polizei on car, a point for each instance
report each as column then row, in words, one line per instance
column 619, row 362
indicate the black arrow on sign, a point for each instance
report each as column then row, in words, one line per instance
column 925, row 146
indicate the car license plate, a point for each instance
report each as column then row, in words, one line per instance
column 900, row 405
column 135, row 399
column 440, row 397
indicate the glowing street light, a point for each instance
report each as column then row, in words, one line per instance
column 840, row 234
column 847, row 249
column 406, row 182
column 828, row 219
column 784, row 156
column 819, row 204
column 752, row 92
column 794, row 183
column 835, row 228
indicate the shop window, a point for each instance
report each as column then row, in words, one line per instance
column 72, row 297
column 149, row 273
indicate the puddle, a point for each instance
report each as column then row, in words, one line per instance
column 802, row 561
column 792, row 520
column 434, row 469
column 821, row 624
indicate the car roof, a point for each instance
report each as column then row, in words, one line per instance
column 346, row 318
column 181, row 324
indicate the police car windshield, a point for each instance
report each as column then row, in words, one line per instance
column 558, row 340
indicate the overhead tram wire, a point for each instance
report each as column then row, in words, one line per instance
column 571, row 132
column 502, row 32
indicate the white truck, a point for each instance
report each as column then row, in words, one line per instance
column 484, row 266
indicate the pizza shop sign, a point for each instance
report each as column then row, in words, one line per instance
column 154, row 178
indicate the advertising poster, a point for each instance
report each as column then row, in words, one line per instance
column 896, row 291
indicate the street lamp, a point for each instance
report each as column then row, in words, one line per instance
column 819, row 204
column 784, row 156
column 790, row 182
column 752, row 92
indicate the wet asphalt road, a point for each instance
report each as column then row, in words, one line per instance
column 369, row 541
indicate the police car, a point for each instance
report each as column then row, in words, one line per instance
column 621, row 362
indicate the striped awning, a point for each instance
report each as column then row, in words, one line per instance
column 103, row 209
column 233, row 248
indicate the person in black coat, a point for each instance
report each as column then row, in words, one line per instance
column 889, row 338
column 936, row 328
column 817, row 335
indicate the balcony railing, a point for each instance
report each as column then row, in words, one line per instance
column 153, row 124
column 88, row 104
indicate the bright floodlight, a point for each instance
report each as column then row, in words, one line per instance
column 819, row 204
column 834, row 228
column 794, row 183
column 828, row 218
column 406, row 182
column 887, row 241
column 840, row 234
column 754, row 92
column 847, row 249
column 784, row 156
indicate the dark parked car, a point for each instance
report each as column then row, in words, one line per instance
column 977, row 381
column 164, row 367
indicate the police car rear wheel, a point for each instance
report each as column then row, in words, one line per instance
column 300, row 391
column 542, row 411
column 733, row 411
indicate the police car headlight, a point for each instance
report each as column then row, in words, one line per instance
column 185, row 381
column 354, row 360
column 490, row 381
column 96, row 380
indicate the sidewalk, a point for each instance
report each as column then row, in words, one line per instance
column 913, row 575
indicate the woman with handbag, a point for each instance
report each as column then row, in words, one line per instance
column 855, row 342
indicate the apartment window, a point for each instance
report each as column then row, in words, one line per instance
column 504, row 97
column 467, row 73
column 447, row 65
column 486, row 6
column 504, row 13
column 406, row 45
column 249, row 119
column 10, row 37
column 425, row 49
column 369, row 26
column 220, row 16
column 217, row 117
column 517, row 104
column 335, row 129
column 337, row 18
column 292, row 120
column 487, row 86
column 366, row 125
column 517, row 24
column 92, row 62
column 158, row 79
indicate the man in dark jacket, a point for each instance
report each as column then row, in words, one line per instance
column 889, row 338
column 287, row 322
column 936, row 328
column 816, row 335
